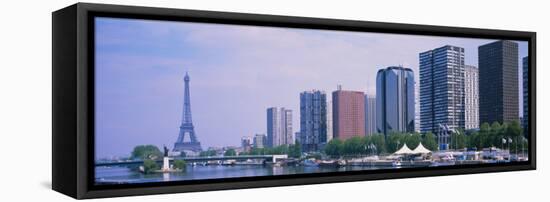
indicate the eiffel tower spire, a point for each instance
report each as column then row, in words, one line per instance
column 186, row 127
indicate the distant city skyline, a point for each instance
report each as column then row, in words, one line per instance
column 238, row 72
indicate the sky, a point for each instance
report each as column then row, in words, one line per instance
column 236, row 73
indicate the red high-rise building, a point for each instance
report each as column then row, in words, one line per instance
column 348, row 113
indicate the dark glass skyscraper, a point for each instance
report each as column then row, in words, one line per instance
column 498, row 82
column 395, row 100
column 525, row 94
column 442, row 88
column 313, row 120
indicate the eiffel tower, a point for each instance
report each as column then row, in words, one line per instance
column 186, row 127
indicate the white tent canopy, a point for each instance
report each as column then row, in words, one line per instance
column 420, row 149
column 404, row 150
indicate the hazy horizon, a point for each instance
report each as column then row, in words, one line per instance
column 236, row 73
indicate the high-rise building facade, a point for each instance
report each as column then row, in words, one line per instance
column 498, row 82
column 525, row 67
column 279, row 127
column 287, row 135
column 370, row 115
column 471, row 97
column 441, row 74
column 313, row 120
column 329, row 121
column 273, row 127
column 416, row 107
column 247, row 143
column 395, row 100
column 348, row 113
column 260, row 141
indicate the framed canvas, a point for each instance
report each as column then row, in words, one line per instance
column 158, row 100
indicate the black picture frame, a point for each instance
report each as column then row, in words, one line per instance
column 73, row 98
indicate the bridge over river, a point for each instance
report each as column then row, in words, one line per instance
column 272, row 158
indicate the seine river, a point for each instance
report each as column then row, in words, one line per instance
column 108, row 175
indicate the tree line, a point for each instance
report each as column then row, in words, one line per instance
column 505, row 136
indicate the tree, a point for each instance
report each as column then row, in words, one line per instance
column 413, row 140
column 483, row 138
column 257, row 151
column 180, row 164
column 379, row 140
column 430, row 142
column 395, row 141
column 458, row 140
column 149, row 166
column 209, row 152
column 495, row 135
column 475, row 141
column 353, row 146
column 146, row 152
column 334, row 147
column 295, row 150
column 514, row 133
column 230, row 152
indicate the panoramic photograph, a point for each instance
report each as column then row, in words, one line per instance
column 183, row 101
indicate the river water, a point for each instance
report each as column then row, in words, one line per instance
column 118, row 175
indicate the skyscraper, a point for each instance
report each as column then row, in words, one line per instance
column 498, row 82
column 395, row 100
column 287, row 136
column 471, row 97
column 370, row 115
column 279, row 127
column 348, row 113
column 329, row 122
column 416, row 107
column 260, row 140
column 441, row 88
column 525, row 62
column 246, row 143
column 313, row 120
column 273, row 127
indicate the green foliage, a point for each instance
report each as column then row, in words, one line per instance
column 379, row 141
column 494, row 134
column 430, row 142
column 354, row 146
column 180, row 164
column 395, row 141
column 146, row 152
column 413, row 140
column 257, row 151
column 458, row 140
column 295, row 150
column 230, row 152
column 149, row 166
column 206, row 153
column 334, row 147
